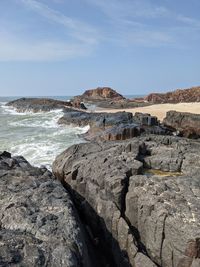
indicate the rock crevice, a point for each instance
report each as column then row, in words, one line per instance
column 141, row 218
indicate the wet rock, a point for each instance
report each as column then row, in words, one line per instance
column 43, row 104
column 113, row 126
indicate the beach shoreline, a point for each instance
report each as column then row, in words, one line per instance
column 159, row 110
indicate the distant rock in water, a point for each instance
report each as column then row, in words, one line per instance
column 42, row 104
column 100, row 93
column 180, row 95
column 184, row 123
column 142, row 220
column 39, row 225
column 106, row 97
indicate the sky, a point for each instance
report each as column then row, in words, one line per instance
column 64, row 47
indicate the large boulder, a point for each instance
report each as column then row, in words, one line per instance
column 39, row 225
column 184, row 123
column 142, row 218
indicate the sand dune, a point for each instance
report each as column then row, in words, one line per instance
column 161, row 109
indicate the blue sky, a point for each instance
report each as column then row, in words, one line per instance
column 63, row 47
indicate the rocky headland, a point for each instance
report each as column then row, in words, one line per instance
column 177, row 96
column 105, row 97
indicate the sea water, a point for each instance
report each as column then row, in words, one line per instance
column 36, row 136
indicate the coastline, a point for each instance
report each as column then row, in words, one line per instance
column 159, row 110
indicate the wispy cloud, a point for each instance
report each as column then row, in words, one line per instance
column 142, row 22
column 133, row 8
column 126, row 23
column 15, row 49
column 130, row 21
column 78, row 29
column 80, row 38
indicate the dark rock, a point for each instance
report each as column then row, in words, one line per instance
column 43, row 104
column 103, row 126
column 141, row 219
column 113, row 126
column 184, row 123
column 39, row 225
column 146, row 119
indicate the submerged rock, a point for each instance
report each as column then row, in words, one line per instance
column 142, row 220
column 39, row 225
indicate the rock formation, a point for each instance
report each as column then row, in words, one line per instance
column 43, row 104
column 100, row 93
column 185, row 124
column 184, row 95
column 142, row 219
column 106, row 97
column 39, row 225
column 113, row 126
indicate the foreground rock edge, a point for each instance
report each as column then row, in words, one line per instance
column 153, row 218
column 39, row 224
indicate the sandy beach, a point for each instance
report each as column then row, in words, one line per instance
column 161, row 109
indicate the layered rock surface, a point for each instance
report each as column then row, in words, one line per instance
column 184, row 95
column 143, row 219
column 113, row 126
column 186, row 124
column 100, row 93
column 39, row 225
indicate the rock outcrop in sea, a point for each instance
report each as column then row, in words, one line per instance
column 42, row 104
column 140, row 198
column 106, row 97
column 100, row 93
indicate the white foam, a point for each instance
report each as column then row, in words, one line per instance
column 37, row 136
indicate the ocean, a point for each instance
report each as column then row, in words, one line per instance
column 36, row 136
